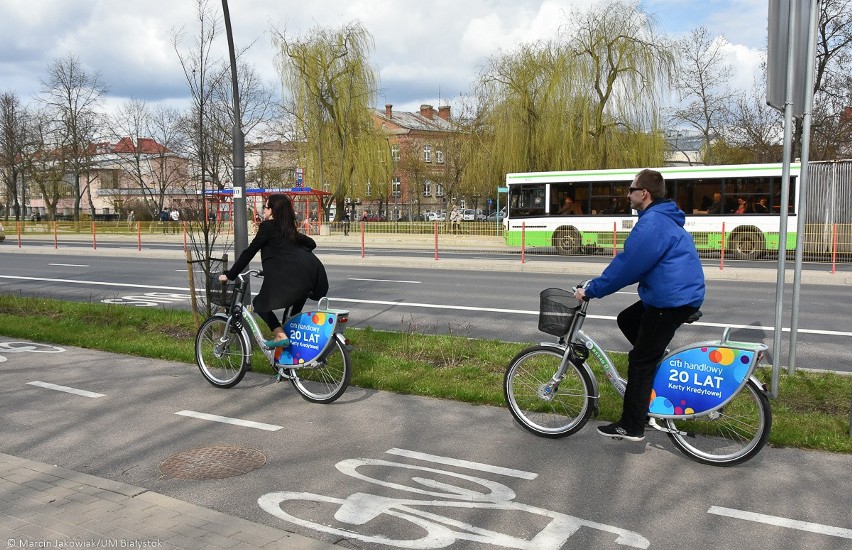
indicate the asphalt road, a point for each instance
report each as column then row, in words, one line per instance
column 380, row 470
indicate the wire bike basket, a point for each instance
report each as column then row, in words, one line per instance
column 556, row 311
column 218, row 293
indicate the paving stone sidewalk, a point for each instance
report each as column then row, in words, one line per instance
column 45, row 506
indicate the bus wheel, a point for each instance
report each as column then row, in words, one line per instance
column 567, row 240
column 747, row 244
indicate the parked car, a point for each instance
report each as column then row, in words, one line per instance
column 435, row 216
column 480, row 216
column 496, row 216
column 468, row 214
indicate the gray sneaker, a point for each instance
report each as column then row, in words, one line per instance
column 615, row 431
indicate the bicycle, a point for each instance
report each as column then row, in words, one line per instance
column 316, row 362
column 697, row 398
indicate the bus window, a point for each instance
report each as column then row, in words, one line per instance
column 578, row 195
column 610, row 198
column 526, row 200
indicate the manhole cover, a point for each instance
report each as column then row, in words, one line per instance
column 212, row 463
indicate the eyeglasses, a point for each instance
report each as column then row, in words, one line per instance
column 267, row 206
column 632, row 189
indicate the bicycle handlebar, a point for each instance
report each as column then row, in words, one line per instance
column 252, row 272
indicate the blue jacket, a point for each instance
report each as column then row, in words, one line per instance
column 660, row 255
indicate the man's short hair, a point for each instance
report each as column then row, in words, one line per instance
column 653, row 182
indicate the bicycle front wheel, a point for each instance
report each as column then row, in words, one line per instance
column 223, row 353
column 538, row 405
column 729, row 436
column 326, row 381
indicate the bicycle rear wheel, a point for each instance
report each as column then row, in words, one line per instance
column 729, row 436
column 549, row 411
column 326, row 381
column 222, row 358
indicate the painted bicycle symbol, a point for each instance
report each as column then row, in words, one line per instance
column 26, row 347
column 370, row 511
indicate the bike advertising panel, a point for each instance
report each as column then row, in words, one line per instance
column 310, row 333
column 696, row 380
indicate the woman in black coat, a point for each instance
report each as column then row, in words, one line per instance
column 291, row 272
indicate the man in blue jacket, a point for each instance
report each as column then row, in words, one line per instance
column 660, row 255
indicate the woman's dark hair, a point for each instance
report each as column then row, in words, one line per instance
column 283, row 215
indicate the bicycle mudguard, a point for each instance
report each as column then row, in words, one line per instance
column 700, row 378
column 311, row 333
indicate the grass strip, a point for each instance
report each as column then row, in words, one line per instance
column 811, row 411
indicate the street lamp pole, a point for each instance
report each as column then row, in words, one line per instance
column 239, row 146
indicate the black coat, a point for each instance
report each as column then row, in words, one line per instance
column 291, row 272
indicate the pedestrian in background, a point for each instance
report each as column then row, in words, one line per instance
column 164, row 219
column 455, row 220
column 346, row 222
column 175, row 217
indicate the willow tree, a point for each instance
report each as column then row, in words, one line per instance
column 617, row 51
column 589, row 99
column 523, row 108
column 330, row 88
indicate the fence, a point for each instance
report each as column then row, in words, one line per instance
column 822, row 243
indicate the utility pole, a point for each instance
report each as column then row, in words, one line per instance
column 239, row 153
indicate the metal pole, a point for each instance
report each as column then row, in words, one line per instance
column 803, row 181
column 784, row 200
column 238, row 144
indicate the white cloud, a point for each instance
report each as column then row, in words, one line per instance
column 421, row 49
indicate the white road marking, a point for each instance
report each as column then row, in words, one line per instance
column 782, row 522
column 66, row 389
column 383, row 280
column 70, row 265
column 234, row 421
column 464, row 464
column 766, row 329
column 97, row 283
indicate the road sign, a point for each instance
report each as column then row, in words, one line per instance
column 777, row 58
column 502, row 189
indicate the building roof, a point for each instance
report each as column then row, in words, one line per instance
column 426, row 120
column 145, row 146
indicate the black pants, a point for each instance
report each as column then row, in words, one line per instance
column 272, row 320
column 650, row 330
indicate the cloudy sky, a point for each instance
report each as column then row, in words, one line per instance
column 424, row 51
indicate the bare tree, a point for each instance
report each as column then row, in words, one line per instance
column 13, row 137
column 702, row 81
column 754, row 130
column 72, row 94
column 830, row 136
column 149, row 146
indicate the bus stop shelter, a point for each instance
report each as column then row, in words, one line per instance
column 307, row 203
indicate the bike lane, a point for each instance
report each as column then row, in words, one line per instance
column 384, row 470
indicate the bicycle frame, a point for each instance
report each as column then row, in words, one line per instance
column 693, row 381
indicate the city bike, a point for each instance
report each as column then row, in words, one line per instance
column 705, row 397
column 316, row 362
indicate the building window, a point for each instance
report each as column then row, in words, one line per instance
column 439, row 190
column 396, row 187
column 427, row 153
column 395, row 153
column 439, row 156
column 427, row 188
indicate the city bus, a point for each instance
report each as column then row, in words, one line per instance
column 584, row 211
